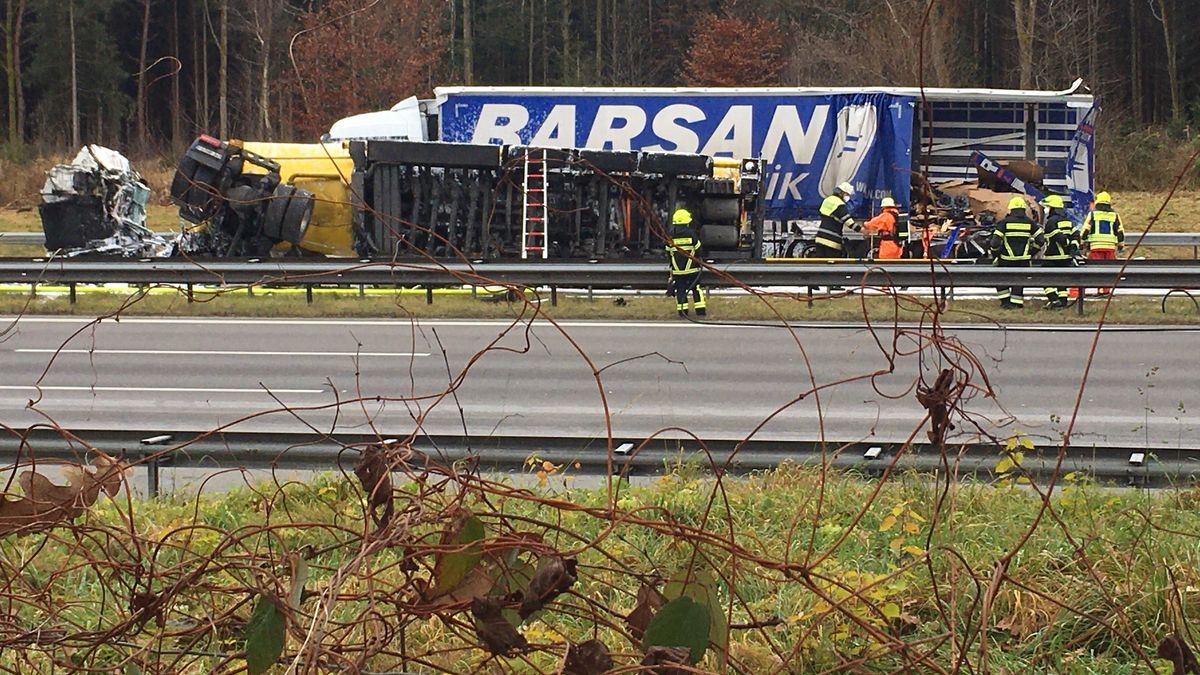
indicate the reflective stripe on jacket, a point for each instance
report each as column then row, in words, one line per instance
column 834, row 217
column 1016, row 238
column 1061, row 240
column 684, row 251
column 1102, row 229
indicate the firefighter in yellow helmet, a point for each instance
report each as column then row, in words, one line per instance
column 1014, row 241
column 1102, row 233
column 684, row 255
column 835, row 217
column 1062, row 245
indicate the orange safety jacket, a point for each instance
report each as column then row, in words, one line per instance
column 884, row 226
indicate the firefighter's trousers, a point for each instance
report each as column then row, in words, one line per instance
column 686, row 284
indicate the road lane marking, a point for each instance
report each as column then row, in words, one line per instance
column 217, row 352
column 161, row 390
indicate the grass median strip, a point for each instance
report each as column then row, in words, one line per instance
column 346, row 303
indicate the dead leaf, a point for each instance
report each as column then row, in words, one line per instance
column 375, row 475
column 45, row 505
column 936, row 400
column 554, row 576
column 1175, row 650
column 587, row 658
column 649, row 601
column 663, row 660
column 500, row 636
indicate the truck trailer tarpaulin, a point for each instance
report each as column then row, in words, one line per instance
column 810, row 138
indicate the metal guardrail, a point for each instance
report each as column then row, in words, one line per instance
column 1150, row 239
column 584, row 275
column 22, row 238
column 284, row 450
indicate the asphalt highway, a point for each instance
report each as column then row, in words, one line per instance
column 718, row 382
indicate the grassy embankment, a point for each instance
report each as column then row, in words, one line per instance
column 1106, row 575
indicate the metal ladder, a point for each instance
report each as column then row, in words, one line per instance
column 535, row 216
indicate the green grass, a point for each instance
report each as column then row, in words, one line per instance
column 346, row 304
column 1107, row 573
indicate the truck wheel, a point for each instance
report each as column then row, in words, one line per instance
column 288, row 214
column 800, row 249
column 195, row 189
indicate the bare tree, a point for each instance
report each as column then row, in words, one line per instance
column 1163, row 11
column 74, row 76
column 142, row 138
column 14, row 19
column 1026, row 16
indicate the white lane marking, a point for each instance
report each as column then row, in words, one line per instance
column 188, row 352
column 166, row 390
column 544, row 325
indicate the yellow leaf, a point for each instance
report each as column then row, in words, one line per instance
column 1018, row 457
column 1027, row 443
column 895, row 545
column 1024, row 480
column 887, row 524
column 1070, row 477
column 911, row 528
column 1011, row 444
column 891, row 610
column 549, row 467
column 915, row 551
column 1004, row 466
column 897, row 510
column 916, row 516
column 541, row 476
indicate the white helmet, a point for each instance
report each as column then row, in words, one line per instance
column 845, row 188
column 887, row 203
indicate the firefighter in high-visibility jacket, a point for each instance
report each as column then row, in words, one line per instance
column 1014, row 241
column 1062, row 245
column 684, row 254
column 835, row 217
column 1102, row 232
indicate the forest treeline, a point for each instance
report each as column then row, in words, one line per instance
column 147, row 75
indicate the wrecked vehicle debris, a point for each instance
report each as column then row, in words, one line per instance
column 97, row 204
column 237, row 202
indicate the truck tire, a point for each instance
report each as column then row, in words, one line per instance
column 287, row 216
column 196, row 189
column 715, row 210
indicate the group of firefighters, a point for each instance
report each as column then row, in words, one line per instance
column 1015, row 241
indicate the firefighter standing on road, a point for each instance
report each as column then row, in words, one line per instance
column 684, row 254
column 1062, row 244
column 835, row 216
column 1103, row 232
column 885, row 226
column 1014, row 241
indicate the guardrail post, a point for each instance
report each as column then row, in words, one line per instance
column 1079, row 308
column 810, row 304
column 191, row 296
column 153, row 461
column 250, row 290
column 308, row 293
column 362, row 290
column 71, row 292
column 429, row 295
column 554, row 296
column 590, row 298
